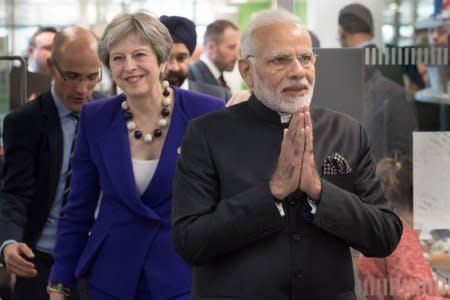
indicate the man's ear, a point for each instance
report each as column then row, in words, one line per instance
column 162, row 71
column 50, row 67
column 30, row 51
column 246, row 71
column 211, row 48
column 342, row 35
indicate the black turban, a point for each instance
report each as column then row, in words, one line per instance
column 182, row 30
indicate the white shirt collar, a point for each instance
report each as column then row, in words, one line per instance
column 366, row 43
column 62, row 109
column 185, row 85
column 212, row 67
column 285, row 117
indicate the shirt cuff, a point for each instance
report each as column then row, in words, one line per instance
column 313, row 206
column 5, row 243
column 280, row 208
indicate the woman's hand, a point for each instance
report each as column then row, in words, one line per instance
column 56, row 296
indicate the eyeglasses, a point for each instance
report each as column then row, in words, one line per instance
column 73, row 77
column 282, row 61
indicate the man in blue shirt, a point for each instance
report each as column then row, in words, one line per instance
column 38, row 141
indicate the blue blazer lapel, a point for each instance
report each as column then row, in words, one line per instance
column 115, row 151
column 160, row 187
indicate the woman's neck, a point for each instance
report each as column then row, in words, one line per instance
column 147, row 104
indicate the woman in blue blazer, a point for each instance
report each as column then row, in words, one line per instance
column 123, row 164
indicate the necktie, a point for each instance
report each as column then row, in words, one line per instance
column 223, row 82
column 69, row 168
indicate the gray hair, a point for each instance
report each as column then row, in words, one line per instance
column 263, row 18
column 147, row 28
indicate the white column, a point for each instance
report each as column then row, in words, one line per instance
column 322, row 18
column 286, row 4
column 84, row 19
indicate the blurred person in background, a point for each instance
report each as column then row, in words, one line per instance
column 38, row 75
column 387, row 115
column 220, row 54
column 404, row 274
column 39, row 50
column 38, row 139
column 184, row 39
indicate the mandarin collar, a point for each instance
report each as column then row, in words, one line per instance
column 265, row 113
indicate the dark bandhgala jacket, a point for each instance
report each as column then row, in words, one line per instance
column 225, row 221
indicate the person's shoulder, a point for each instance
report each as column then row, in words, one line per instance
column 198, row 63
column 332, row 119
column 32, row 109
column 103, row 104
column 322, row 112
column 101, row 112
column 194, row 103
column 100, row 115
column 229, row 116
column 209, row 89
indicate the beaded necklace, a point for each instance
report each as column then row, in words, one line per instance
column 162, row 123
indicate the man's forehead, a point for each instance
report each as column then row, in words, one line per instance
column 179, row 48
column 440, row 28
column 281, row 30
column 45, row 38
column 280, row 37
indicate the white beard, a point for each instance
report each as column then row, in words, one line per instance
column 274, row 99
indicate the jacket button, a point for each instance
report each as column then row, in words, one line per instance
column 298, row 275
column 292, row 202
column 296, row 237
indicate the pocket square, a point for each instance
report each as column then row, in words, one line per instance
column 336, row 164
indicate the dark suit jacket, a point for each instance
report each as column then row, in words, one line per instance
column 131, row 234
column 388, row 116
column 209, row 89
column 226, row 224
column 32, row 139
column 200, row 72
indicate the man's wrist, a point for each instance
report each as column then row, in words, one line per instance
column 276, row 191
column 316, row 191
column 3, row 247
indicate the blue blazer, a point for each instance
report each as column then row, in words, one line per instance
column 131, row 234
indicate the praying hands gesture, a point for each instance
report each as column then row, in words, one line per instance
column 296, row 168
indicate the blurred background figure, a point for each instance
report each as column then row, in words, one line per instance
column 38, row 76
column 404, row 274
column 428, row 80
column 38, row 139
column 184, row 39
column 39, row 50
column 438, row 35
column 220, row 54
column 387, row 115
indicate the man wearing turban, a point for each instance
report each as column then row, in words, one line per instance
column 184, row 38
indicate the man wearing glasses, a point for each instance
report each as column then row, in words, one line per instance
column 260, row 209
column 38, row 141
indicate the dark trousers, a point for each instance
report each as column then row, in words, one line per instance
column 36, row 288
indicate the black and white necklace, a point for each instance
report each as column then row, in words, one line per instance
column 162, row 123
